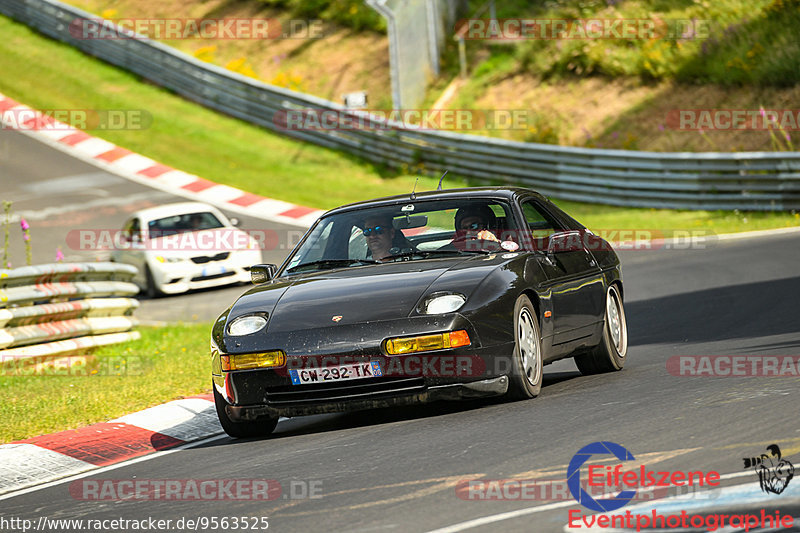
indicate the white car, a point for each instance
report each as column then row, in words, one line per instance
column 184, row 246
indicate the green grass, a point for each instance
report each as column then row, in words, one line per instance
column 737, row 42
column 165, row 364
column 46, row 74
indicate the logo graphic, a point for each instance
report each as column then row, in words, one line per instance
column 336, row 318
column 574, row 476
column 774, row 473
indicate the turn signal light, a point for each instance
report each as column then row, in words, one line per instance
column 426, row 343
column 247, row 361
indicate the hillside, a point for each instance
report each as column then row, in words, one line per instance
column 610, row 93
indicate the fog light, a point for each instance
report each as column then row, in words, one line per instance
column 246, row 361
column 426, row 343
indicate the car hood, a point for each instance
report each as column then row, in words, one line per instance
column 360, row 294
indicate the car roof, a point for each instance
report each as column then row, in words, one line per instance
column 178, row 208
column 505, row 193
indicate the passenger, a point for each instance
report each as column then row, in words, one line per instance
column 473, row 222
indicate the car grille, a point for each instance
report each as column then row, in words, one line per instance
column 214, row 276
column 292, row 394
column 200, row 259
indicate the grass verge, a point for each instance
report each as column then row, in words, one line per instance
column 190, row 137
column 165, row 364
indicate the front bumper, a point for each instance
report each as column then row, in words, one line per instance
column 411, row 378
column 186, row 275
column 412, row 395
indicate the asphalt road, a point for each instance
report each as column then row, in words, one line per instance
column 56, row 194
column 397, row 469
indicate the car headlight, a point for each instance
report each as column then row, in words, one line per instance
column 443, row 303
column 245, row 325
column 162, row 259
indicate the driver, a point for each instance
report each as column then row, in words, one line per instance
column 379, row 233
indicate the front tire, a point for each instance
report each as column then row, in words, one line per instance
column 526, row 367
column 242, row 430
column 150, row 284
column 609, row 355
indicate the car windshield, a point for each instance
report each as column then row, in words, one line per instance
column 412, row 231
column 183, row 223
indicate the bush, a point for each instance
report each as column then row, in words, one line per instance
column 349, row 13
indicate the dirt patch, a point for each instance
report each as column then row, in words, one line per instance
column 628, row 114
column 341, row 61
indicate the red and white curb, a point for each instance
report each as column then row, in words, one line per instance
column 51, row 457
column 136, row 167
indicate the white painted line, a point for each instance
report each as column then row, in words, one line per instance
column 23, row 465
column 491, row 519
column 100, row 470
column 175, row 179
column 186, row 419
column 222, row 193
column 58, row 133
column 269, row 205
column 133, row 163
column 94, row 147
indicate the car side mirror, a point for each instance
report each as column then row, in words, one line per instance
column 235, row 221
column 564, row 241
column 262, row 273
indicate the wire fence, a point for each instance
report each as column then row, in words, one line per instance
column 686, row 180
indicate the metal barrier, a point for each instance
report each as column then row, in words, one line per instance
column 684, row 180
column 32, row 325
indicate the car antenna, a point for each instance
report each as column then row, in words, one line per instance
column 413, row 194
column 439, row 188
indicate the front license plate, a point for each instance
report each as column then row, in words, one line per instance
column 336, row 373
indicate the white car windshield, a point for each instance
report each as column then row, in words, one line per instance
column 183, row 223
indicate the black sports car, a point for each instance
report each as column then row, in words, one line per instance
column 439, row 295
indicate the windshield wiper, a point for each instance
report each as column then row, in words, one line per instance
column 332, row 263
column 422, row 253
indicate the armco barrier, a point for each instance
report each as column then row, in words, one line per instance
column 688, row 180
column 32, row 325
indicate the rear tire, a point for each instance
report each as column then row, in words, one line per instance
column 526, row 367
column 609, row 355
column 242, row 430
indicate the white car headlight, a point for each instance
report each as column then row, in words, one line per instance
column 162, row 259
column 445, row 303
column 245, row 325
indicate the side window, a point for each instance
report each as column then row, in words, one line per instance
column 357, row 244
column 540, row 225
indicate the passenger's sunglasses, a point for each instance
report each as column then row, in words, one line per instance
column 474, row 226
column 377, row 230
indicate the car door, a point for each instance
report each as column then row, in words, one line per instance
column 574, row 279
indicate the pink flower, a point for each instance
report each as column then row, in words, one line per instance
column 24, row 225
column 59, row 255
column 788, row 137
column 26, row 237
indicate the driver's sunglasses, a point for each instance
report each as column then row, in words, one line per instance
column 474, row 226
column 377, row 230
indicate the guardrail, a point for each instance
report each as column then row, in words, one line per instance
column 32, row 325
column 684, row 180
